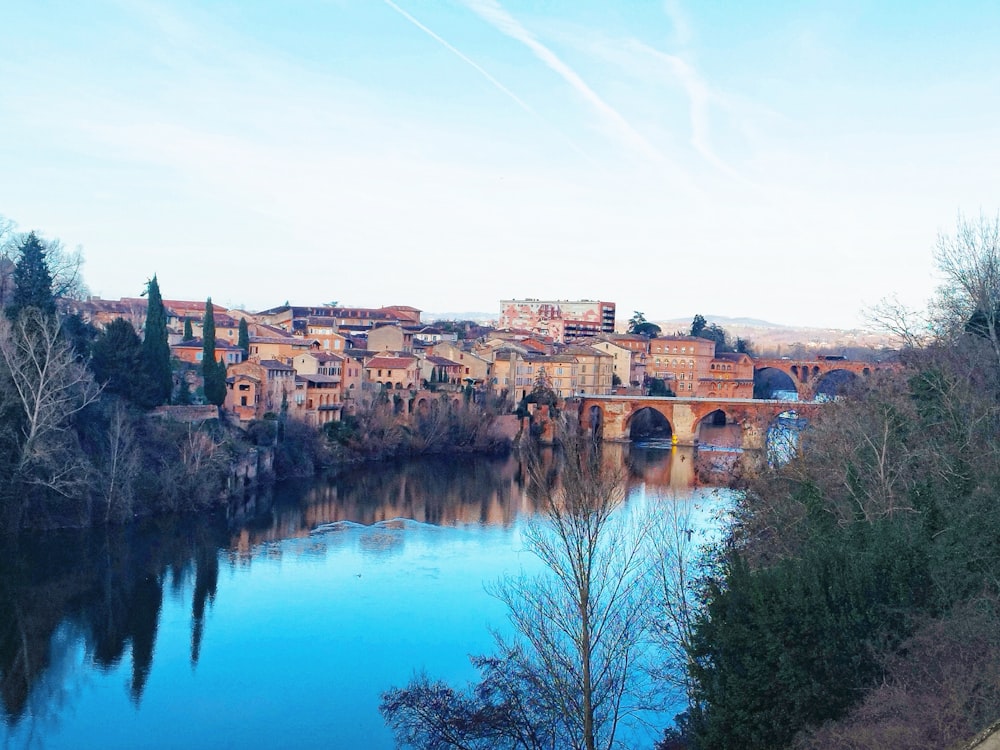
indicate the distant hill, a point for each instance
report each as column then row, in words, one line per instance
column 721, row 320
column 478, row 317
column 773, row 339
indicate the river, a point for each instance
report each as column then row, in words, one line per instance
column 281, row 625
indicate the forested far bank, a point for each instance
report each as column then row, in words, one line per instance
column 88, row 436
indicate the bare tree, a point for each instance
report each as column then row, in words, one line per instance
column 66, row 267
column 120, row 464
column 49, row 386
column 584, row 618
column 570, row 674
column 908, row 327
column 671, row 623
column 969, row 300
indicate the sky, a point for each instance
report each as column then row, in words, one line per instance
column 793, row 162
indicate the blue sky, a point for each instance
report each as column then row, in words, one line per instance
column 787, row 161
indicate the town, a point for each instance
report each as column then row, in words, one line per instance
column 316, row 363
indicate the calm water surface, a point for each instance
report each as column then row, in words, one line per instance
column 283, row 628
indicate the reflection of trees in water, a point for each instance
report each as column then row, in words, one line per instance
column 443, row 492
column 106, row 587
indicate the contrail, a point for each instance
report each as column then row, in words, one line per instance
column 486, row 74
column 520, row 102
column 495, row 14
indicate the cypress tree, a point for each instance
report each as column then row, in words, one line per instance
column 188, row 332
column 32, row 279
column 214, row 373
column 244, row 338
column 208, row 340
column 155, row 349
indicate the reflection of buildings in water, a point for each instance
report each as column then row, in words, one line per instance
column 659, row 467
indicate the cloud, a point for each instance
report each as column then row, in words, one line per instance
column 679, row 20
column 494, row 14
column 699, row 97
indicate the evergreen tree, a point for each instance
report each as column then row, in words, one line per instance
column 698, row 325
column 155, row 349
column 32, row 279
column 188, row 332
column 244, row 338
column 638, row 325
column 208, row 339
column 212, row 371
column 117, row 361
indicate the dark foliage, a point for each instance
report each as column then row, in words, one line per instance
column 797, row 643
column 32, row 279
column 212, row 370
column 156, row 349
column 243, row 340
column 117, row 362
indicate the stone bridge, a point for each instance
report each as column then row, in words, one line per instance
column 612, row 415
column 807, row 375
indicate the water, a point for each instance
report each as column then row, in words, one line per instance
column 280, row 630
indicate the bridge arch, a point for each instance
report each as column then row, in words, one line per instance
column 648, row 422
column 836, row 382
column 719, row 428
column 774, row 382
column 595, row 421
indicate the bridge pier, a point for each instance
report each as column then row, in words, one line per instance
column 754, row 435
column 685, row 425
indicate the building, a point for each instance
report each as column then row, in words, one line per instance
column 474, row 368
column 256, row 388
column 390, row 338
column 295, row 318
column 690, row 367
column 563, row 320
column 191, row 351
column 622, row 359
column 436, row 369
column 555, row 371
column 387, row 370
column 593, row 369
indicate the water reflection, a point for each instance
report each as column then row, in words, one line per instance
column 77, row 605
column 107, row 588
